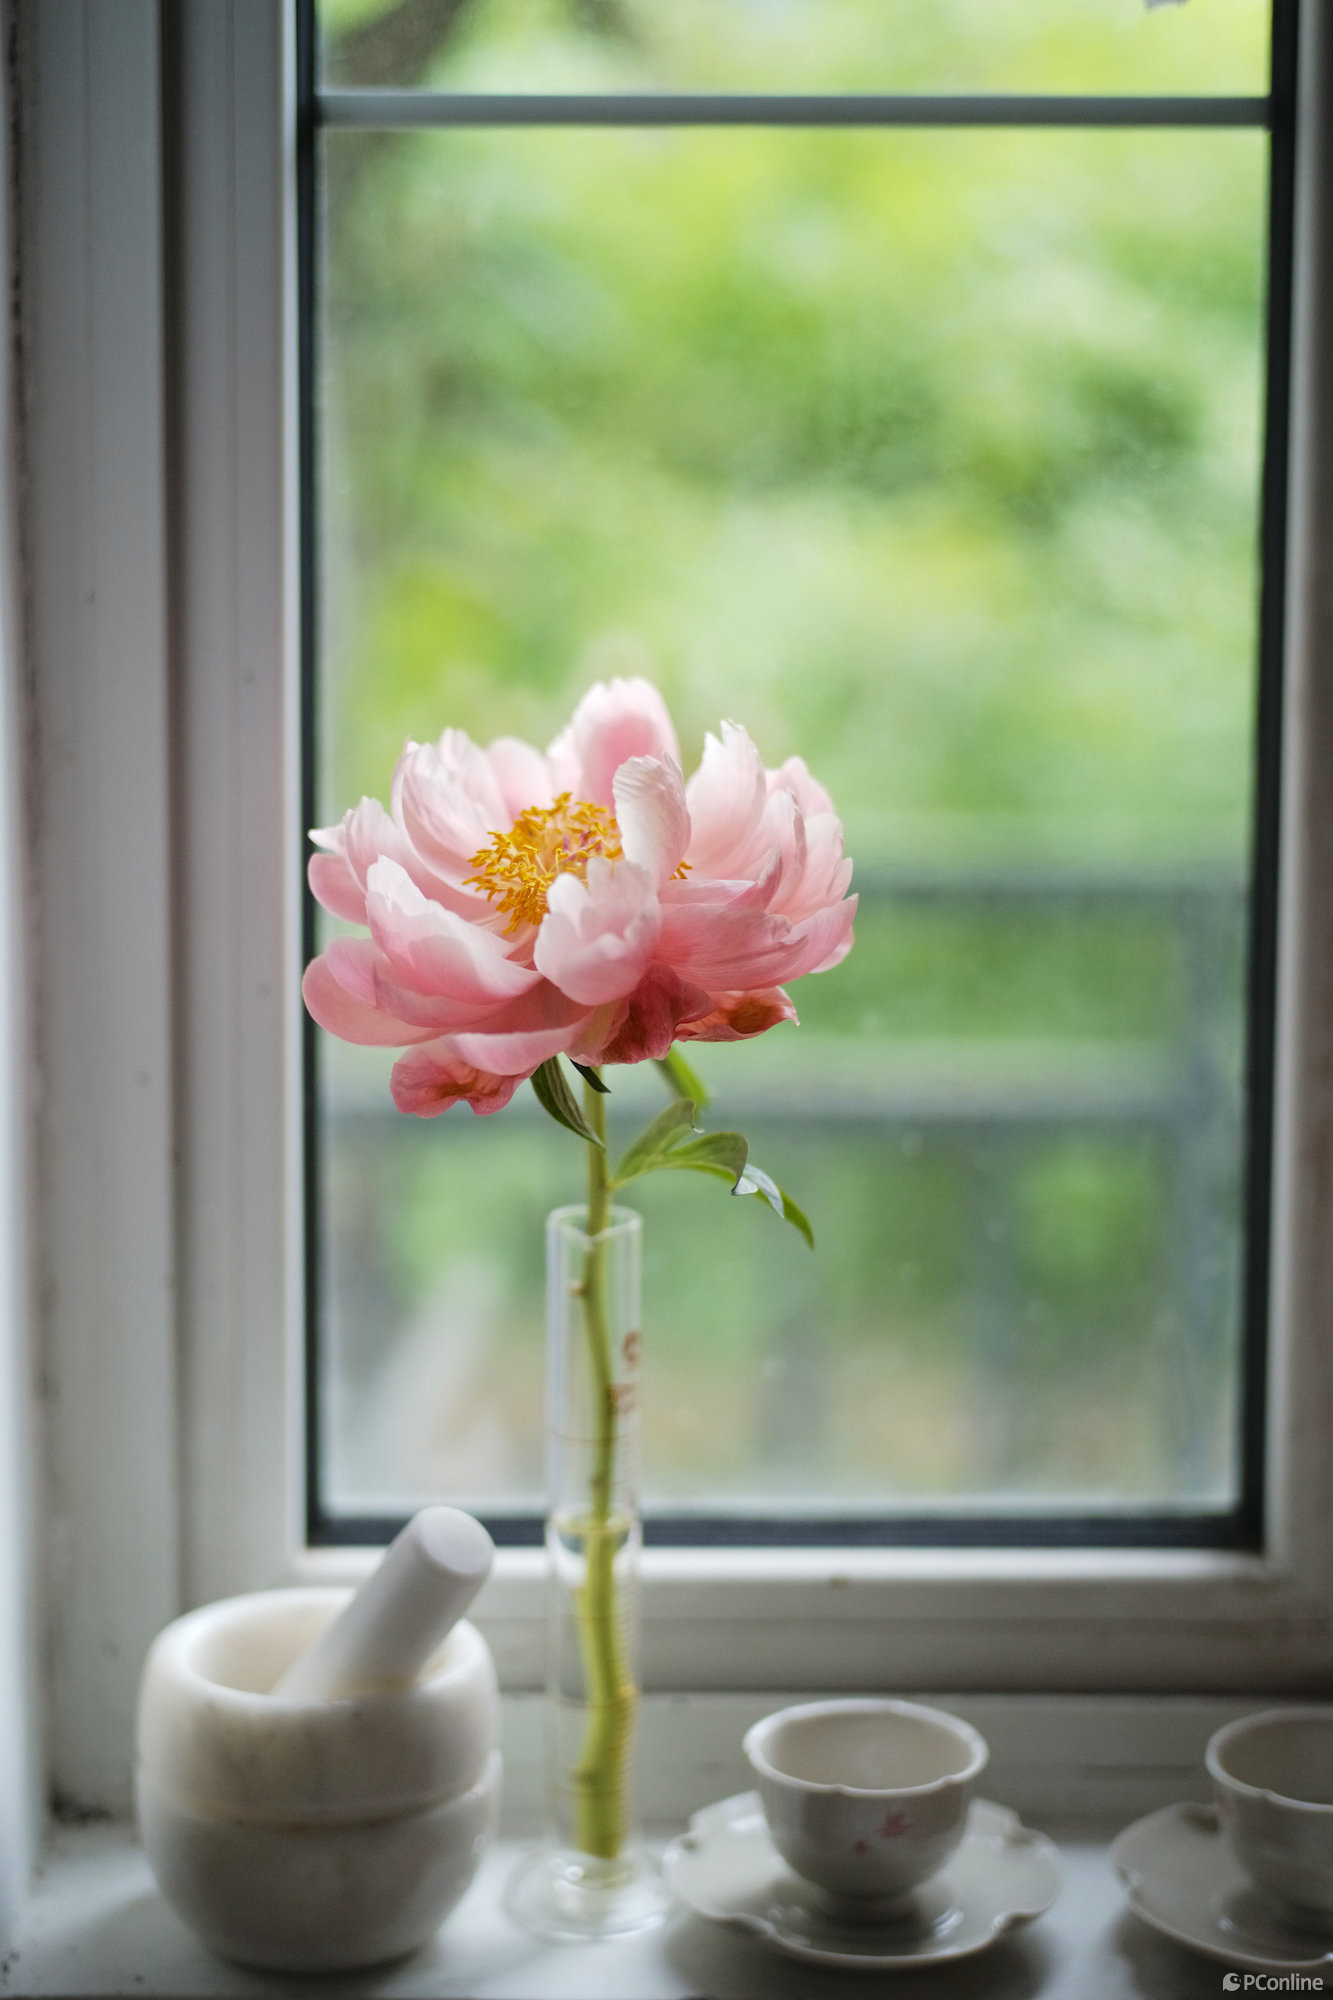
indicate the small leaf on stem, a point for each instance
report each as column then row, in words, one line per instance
column 755, row 1181
column 592, row 1078
column 653, row 1144
column 713, row 1150
column 671, row 1144
column 556, row 1098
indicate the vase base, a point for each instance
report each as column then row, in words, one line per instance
column 559, row 1893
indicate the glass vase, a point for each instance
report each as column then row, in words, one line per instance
column 593, row 1878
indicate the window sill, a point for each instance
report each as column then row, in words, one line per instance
column 1091, row 1620
column 96, row 1927
column 1079, row 1767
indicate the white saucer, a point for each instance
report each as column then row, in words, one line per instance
column 727, row 1868
column 1183, row 1880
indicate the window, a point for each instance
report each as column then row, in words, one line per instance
column 944, row 438
column 160, row 573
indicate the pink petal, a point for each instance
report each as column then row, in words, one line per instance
column 726, row 799
column 782, row 829
column 740, row 892
column 335, row 887
column 809, row 794
column 544, row 1007
column 738, row 1017
column 432, row 1079
column 370, row 834
column 614, row 721
column 352, row 962
column 648, row 1022
column 724, row 945
column 368, row 977
column 516, row 1053
column 562, row 763
column 514, row 1040
column 435, row 1013
column 827, row 873
column 351, row 1018
column 813, row 873
column 448, row 802
column 726, row 948
column 435, row 951
column 651, row 814
column 597, row 937
column 522, row 776
column 823, row 940
column 462, row 765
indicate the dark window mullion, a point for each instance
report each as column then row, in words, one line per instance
column 1261, row 997
column 382, row 110
column 307, row 295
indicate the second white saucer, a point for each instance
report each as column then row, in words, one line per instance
column 727, row 1868
column 1183, row 1880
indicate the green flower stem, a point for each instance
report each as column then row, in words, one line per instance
column 612, row 1699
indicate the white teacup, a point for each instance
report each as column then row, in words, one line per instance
column 1273, row 1781
column 865, row 1798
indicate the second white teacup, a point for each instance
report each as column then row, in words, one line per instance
column 865, row 1798
column 1273, row 1781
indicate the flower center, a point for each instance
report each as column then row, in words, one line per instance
column 517, row 868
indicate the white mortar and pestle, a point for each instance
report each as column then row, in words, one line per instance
column 318, row 1771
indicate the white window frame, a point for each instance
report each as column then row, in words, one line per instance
column 159, row 570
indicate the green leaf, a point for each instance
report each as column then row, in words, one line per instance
column 713, row 1151
column 719, row 1153
column 591, row 1077
column 682, row 1078
column 793, row 1213
column 667, row 1129
column 664, row 1147
column 557, row 1099
column 755, row 1181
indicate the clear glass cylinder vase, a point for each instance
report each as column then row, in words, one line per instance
column 594, row 1877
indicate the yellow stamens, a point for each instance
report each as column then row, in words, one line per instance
column 518, row 867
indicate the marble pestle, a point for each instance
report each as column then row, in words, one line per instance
column 401, row 1615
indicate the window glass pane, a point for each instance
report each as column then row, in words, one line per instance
column 934, row 458
column 797, row 45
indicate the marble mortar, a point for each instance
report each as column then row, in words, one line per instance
column 311, row 1836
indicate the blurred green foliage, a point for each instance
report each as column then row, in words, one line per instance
column 797, row 45
column 933, row 455
column 934, row 458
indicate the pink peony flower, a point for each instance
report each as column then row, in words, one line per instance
column 586, row 903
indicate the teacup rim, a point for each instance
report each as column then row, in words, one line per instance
column 866, row 1705
column 1227, row 1780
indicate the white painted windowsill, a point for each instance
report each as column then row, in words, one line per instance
column 97, row 1927
column 1079, row 1768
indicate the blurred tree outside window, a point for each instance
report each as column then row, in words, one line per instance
column 934, row 456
